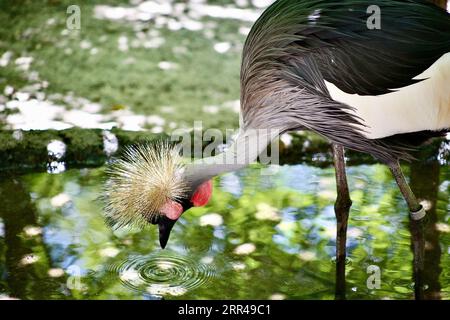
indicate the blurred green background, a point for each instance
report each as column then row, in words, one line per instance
column 180, row 64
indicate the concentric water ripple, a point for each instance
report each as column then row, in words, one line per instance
column 162, row 274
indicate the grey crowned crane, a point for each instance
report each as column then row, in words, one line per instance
column 311, row 65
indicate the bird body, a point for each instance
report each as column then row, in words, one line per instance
column 296, row 47
column 418, row 107
column 314, row 65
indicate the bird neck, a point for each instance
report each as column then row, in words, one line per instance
column 245, row 149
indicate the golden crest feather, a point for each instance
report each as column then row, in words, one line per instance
column 141, row 182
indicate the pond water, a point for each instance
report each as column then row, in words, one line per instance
column 260, row 237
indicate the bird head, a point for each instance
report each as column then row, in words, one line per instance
column 148, row 185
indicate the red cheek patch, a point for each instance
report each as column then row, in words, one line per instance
column 202, row 195
column 172, row 210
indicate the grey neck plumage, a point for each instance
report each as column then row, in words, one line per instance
column 245, row 149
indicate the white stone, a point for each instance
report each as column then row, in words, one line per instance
column 29, row 259
column 307, row 255
column 354, row 233
column 286, row 138
column 85, row 44
column 442, row 227
column 33, row 76
column 154, row 43
column 5, row 58
column 156, row 120
column 83, row 119
column 164, row 289
column 110, row 143
column 244, row 30
column 129, row 275
column 266, row 212
column 56, row 149
column 55, row 272
column 110, row 252
column 174, row 25
column 51, row 21
column 211, row 219
column 112, row 13
column 17, row 135
column 9, row 90
column 192, row 25
column 153, row 7
column 23, row 63
column 277, row 296
column 245, row 249
column 35, row 114
column 5, row 297
column 123, row 43
column 207, row 260
column 157, row 129
column 22, row 96
column 56, row 167
column 241, row 3
column 238, row 266
column 166, row 65
column 222, row 47
column 262, row 3
column 60, row 200
column 92, row 107
column 216, row 11
column 173, row 125
column 32, row 231
column 132, row 122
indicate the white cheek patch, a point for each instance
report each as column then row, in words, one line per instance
column 172, row 210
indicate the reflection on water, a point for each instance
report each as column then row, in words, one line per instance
column 260, row 237
column 425, row 238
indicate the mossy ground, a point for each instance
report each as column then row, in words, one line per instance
column 130, row 79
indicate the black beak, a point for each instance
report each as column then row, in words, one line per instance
column 165, row 226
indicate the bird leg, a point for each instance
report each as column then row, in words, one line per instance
column 418, row 248
column 343, row 202
column 416, row 210
column 341, row 209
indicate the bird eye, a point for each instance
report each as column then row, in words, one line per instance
column 154, row 219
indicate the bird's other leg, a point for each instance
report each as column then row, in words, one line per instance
column 416, row 210
column 418, row 248
column 417, row 224
column 341, row 209
column 417, row 213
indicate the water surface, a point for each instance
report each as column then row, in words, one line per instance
column 260, row 237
